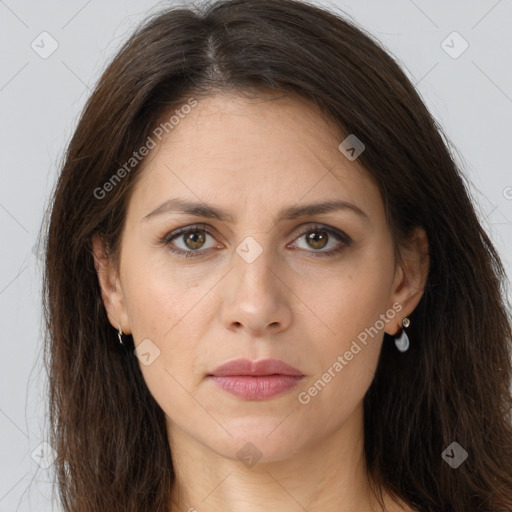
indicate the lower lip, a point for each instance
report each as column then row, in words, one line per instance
column 256, row 388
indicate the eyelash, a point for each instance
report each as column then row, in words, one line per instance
column 339, row 235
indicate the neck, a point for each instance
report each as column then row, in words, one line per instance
column 326, row 475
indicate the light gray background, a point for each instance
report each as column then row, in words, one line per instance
column 471, row 97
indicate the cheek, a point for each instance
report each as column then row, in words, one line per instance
column 160, row 306
column 351, row 297
column 158, row 293
column 354, row 311
column 169, row 306
column 346, row 359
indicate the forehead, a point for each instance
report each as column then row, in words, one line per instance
column 248, row 152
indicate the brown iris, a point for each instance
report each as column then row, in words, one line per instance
column 196, row 239
column 317, row 241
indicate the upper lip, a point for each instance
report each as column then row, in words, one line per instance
column 256, row 368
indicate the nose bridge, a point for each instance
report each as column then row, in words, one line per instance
column 253, row 295
column 255, row 259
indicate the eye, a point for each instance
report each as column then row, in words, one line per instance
column 318, row 237
column 192, row 237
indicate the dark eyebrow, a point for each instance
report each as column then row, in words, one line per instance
column 212, row 212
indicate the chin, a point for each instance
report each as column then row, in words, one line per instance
column 263, row 439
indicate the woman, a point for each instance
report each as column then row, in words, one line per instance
column 266, row 285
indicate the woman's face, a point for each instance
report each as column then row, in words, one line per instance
column 306, row 289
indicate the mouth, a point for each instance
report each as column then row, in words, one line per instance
column 256, row 380
column 256, row 388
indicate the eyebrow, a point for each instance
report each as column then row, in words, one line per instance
column 199, row 209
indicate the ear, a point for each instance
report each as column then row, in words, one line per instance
column 110, row 285
column 411, row 276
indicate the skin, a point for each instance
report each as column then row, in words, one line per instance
column 252, row 158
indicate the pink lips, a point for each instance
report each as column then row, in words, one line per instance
column 256, row 380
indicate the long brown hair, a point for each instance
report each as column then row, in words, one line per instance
column 453, row 385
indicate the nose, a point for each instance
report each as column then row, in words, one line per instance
column 255, row 294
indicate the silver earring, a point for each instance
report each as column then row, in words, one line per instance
column 402, row 341
column 120, row 335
